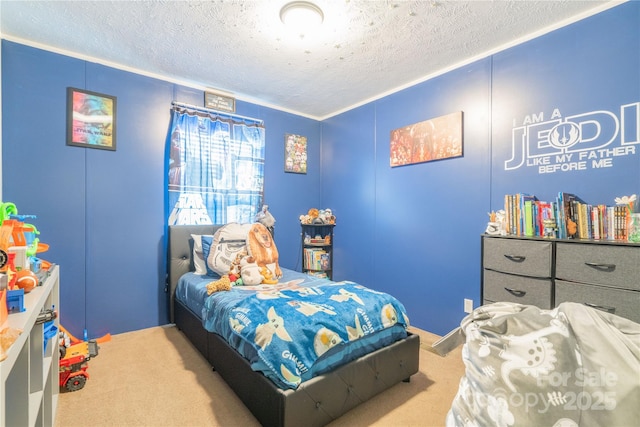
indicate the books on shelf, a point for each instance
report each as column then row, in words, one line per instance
column 573, row 218
column 318, row 274
column 317, row 259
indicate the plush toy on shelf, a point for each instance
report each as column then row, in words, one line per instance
column 318, row 216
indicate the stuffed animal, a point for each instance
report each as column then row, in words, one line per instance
column 572, row 228
column 234, row 269
column 262, row 248
column 267, row 276
column 222, row 284
column 310, row 217
column 306, row 219
column 265, row 218
column 496, row 224
column 250, row 271
column 318, row 216
column 329, row 217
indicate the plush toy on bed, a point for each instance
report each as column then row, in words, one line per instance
column 267, row 276
column 265, row 218
column 250, row 271
column 263, row 249
column 222, row 284
column 235, row 275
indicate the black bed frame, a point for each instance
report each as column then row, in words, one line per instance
column 315, row 402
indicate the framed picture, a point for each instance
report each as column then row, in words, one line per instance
column 434, row 139
column 295, row 153
column 219, row 102
column 91, row 119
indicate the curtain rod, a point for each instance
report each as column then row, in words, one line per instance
column 209, row 110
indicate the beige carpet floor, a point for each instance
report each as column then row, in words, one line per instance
column 155, row 377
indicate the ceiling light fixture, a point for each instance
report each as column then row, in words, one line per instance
column 301, row 16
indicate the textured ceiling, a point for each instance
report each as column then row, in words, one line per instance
column 365, row 49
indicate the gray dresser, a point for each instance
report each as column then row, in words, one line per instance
column 545, row 273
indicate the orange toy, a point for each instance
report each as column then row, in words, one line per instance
column 27, row 280
column 74, row 340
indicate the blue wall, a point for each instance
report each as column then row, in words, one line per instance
column 588, row 70
column 102, row 212
column 413, row 231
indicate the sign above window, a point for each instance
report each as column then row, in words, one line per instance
column 219, row 102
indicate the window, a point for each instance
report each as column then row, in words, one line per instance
column 215, row 167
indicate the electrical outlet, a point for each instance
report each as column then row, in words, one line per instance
column 468, row 305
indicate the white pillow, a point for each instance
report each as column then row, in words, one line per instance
column 198, row 255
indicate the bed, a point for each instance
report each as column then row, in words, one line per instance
column 316, row 401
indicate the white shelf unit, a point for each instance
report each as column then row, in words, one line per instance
column 29, row 375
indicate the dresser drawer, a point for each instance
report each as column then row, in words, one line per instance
column 518, row 289
column 621, row 302
column 615, row 266
column 525, row 257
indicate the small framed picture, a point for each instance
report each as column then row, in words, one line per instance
column 295, row 153
column 91, row 119
column 219, row 102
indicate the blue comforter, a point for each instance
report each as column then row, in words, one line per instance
column 292, row 330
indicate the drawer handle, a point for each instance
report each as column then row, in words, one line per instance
column 516, row 292
column 604, row 267
column 516, row 258
column 601, row 307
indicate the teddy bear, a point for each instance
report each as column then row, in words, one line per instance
column 310, row 217
column 250, row 271
column 222, row 284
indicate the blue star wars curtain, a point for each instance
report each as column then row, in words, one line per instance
column 215, row 167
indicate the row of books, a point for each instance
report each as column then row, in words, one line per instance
column 318, row 274
column 317, row 259
column 565, row 218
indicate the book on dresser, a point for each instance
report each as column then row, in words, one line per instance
column 574, row 218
